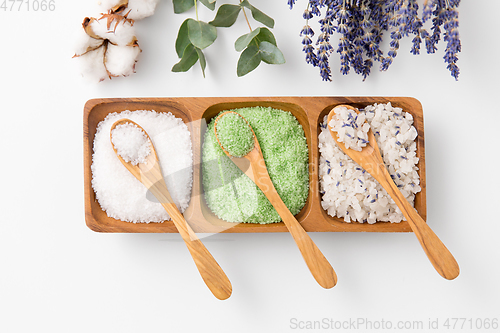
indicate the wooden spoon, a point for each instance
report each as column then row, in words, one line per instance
column 315, row 260
column 150, row 175
column 370, row 159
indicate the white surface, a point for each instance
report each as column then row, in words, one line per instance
column 58, row 276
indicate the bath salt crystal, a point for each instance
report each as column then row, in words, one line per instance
column 350, row 128
column 234, row 197
column 351, row 193
column 234, row 134
column 131, row 143
column 118, row 192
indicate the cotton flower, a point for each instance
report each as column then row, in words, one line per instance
column 107, row 47
column 134, row 9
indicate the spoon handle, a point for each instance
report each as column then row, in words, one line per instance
column 316, row 262
column 440, row 257
column 319, row 266
column 213, row 275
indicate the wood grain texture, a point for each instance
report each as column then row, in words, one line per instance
column 196, row 112
column 370, row 159
column 150, row 175
column 318, row 265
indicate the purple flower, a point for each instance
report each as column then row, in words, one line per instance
column 361, row 24
column 307, row 14
column 452, row 38
column 311, row 57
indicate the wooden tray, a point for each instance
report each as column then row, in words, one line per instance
column 196, row 113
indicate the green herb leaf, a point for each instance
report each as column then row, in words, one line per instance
column 203, row 62
column 182, row 39
column 249, row 60
column 189, row 58
column 243, row 41
column 226, row 16
column 209, row 4
column 271, row 54
column 180, row 6
column 258, row 15
column 201, row 34
column 265, row 35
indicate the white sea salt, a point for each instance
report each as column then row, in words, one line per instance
column 131, row 143
column 348, row 191
column 118, row 192
column 350, row 127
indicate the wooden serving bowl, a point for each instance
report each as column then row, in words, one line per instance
column 196, row 112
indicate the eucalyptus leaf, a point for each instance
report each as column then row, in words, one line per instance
column 249, row 60
column 226, row 16
column 258, row 15
column 201, row 34
column 243, row 41
column 180, row 6
column 209, row 4
column 270, row 54
column 203, row 61
column 189, row 58
column 182, row 39
column 265, row 35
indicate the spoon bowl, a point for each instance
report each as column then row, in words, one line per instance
column 370, row 159
column 319, row 266
column 149, row 174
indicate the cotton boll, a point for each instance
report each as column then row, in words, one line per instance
column 96, row 28
column 83, row 43
column 120, row 60
column 92, row 65
column 119, row 32
column 133, row 9
column 124, row 34
column 140, row 9
column 106, row 5
column 109, row 44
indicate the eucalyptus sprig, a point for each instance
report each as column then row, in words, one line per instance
column 194, row 35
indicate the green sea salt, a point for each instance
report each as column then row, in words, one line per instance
column 234, row 197
column 234, row 135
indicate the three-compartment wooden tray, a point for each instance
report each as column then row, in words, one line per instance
column 196, row 113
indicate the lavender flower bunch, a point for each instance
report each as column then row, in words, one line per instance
column 360, row 25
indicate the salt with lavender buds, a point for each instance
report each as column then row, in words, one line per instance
column 131, row 143
column 350, row 127
column 351, row 193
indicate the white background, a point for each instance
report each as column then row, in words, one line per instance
column 56, row 275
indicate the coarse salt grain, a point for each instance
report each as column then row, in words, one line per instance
column 233, row 196
column 348, row 191
column 118, row 192
column 131, row 143
column 234, row 134
column 350, row 127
